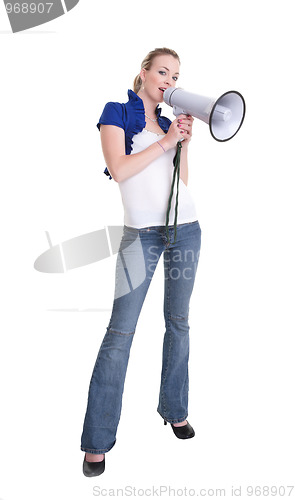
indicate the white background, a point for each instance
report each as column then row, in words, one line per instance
column 55, row 80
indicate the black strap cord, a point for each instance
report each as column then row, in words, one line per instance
column 176, row 163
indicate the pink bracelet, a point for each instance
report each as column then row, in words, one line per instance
column 161, row 147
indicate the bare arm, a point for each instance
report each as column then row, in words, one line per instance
column 122, row 166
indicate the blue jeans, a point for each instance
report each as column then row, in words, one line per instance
column 139, row 253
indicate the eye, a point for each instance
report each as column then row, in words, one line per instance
column 175, row 78
column 162, row 72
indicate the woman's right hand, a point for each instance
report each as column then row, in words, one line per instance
column 176, row 132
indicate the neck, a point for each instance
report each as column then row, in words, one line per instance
column 148, row 103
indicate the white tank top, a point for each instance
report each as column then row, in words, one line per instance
column 145, row 195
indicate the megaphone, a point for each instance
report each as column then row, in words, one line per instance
column 224, row 115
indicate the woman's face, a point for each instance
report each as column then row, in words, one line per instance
column 163, row 73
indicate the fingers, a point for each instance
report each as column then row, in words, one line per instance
column 186, row 119
column 180, row 129
column 184, row 123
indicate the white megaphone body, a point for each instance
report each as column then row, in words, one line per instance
column 224, row 115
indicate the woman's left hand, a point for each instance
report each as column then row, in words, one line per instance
column 185, row 123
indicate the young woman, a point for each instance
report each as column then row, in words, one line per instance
column 139, row 146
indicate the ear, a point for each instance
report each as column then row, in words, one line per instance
column 142, row 74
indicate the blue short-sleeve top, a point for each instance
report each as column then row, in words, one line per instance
column 130, row 117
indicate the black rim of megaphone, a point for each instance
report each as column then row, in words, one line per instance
column 212, row 111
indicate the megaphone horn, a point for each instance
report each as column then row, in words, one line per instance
column 224, row 115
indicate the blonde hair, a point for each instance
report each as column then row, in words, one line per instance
column 147, row 62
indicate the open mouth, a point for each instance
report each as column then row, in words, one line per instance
column 162, row 89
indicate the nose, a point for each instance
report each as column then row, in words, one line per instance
column 169, row 81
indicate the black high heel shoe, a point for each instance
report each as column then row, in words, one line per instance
column 91, row 469
column 182, row 432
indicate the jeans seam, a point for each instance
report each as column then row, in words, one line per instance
column 116, row 332
column 180, row 318
column 174, row 420
column 168, row 327
column 91, row 450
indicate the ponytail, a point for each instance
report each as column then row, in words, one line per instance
column 137, row 84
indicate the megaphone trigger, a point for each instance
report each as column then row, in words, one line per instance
column 179, row 111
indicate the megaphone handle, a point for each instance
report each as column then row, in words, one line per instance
column 179, row 111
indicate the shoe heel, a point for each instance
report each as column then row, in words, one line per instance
column 165, row 423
